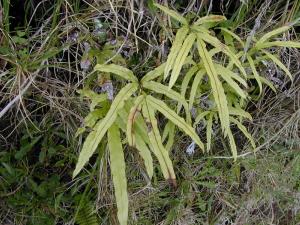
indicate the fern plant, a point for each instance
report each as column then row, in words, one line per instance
column 133, row 110
column 139, row 124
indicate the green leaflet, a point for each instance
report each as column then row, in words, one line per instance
column 265, row 81
column 232, row 145
column 239, row 112
column 153, row 74
column 209, row 19
column 117, row 165
column 162, row 89
column 177, row 120
column 233, row 35
column 278, row 63
column 245, row 132
column 200, row 117
column 219, row 45
column 172, row 13
column 179, row 61
column 118, row 70
column 176, row 46
column 185, row 83
column 169, row 132
column 217, row 88
column 156, row 143
column 131, row 118
column 223, row 71
column 145, row 154
column 287, row 44
column 255, row 74
column 220, row 70
column 141, row 139
column 209, row 132
column 268, row 35
column 94, row 138
column 194, row 88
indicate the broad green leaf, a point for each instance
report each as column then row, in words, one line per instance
column 162, row 89
column 130, row 133
column 145, row 154
column 287, row 44
column 255, row 74
column 94, row 138
column 172, row 13
column 179, row 61
column 175, row 49
column 117, row 166
column 184, row 85
column 156, row 143
column 268, row 35
column 245, row 132
column 220, row 70
column 209, row 19
column 278, row 63
column 177, row 120
column 196, row 83
column 216, row 85
column 209, row 132
column 153, row 74
column 232, row 145
column 118, row 70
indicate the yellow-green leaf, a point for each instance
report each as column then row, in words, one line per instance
column 145, row 154
column 287, row 44
column 272, row 33
column 162, row 89
column 245, row 132
column 117, row 166
column 209, row 19
column 118, row 70
column 131, row 118
column 156, row 143
column 175, row 15
column 179, row 61
column 217, row 88
column 278, row 63
column 255, row 73
column 185, row 83
column 209, row 132
column 94, row 138
column 233, row 35
column 175, row 49
column 239, row 112
column 194, row 88
column 200, row 117
column 153, row 74
column 222, row 72
column 224, row 48
column 177, row 120
column 232, row 145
